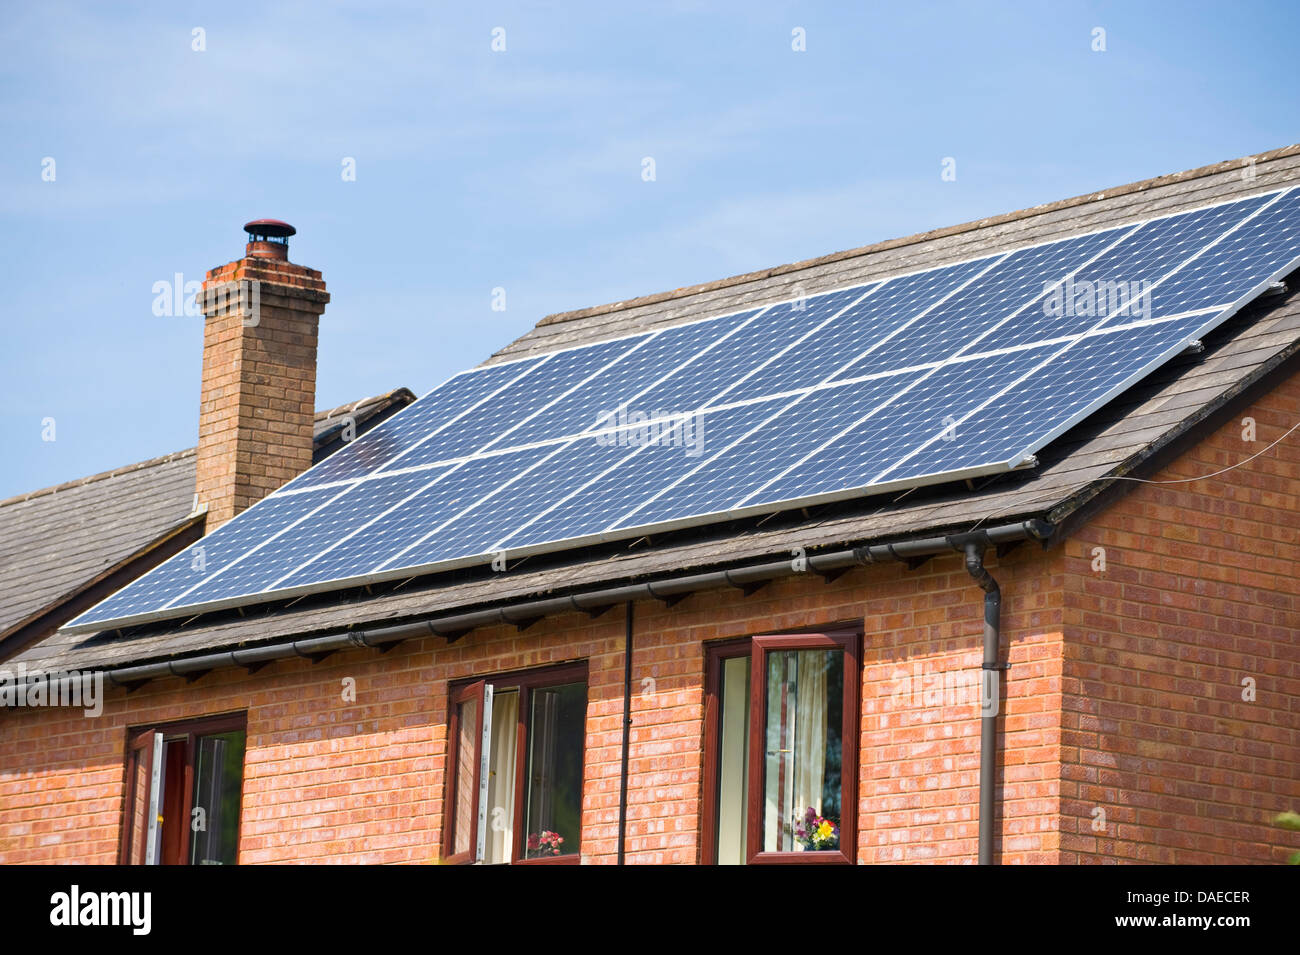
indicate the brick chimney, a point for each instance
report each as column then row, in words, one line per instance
column 257, row 406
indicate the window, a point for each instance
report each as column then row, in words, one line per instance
column 515, row 761
column 183, row 787
column 781, row 743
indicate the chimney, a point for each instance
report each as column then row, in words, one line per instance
column 257, row 406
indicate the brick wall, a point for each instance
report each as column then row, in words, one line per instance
column 1198, row 593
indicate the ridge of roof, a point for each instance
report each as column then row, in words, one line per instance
column 350, row 407
column 101, row 476
column 684, row 291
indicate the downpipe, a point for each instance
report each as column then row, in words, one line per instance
column 990, row 694
column 627, row 738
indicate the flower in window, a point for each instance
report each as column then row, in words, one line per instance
column 544, row 843
column 815, row 833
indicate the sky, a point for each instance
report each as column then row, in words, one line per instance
column 137, row 138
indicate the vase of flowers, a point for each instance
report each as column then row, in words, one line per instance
column 815, row 833
column 544, row 843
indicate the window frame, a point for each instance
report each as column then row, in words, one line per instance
column 757, row 648
column 524, row 681
column 137, row 740
column 477, row 692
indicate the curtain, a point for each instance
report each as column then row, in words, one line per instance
column 501, row 778
column 795, row 770
column 810, row 732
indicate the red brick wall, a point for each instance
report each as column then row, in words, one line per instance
column 921, row 715
column 1124, row 693
column 1198, row 593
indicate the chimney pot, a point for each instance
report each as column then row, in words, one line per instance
column 268, row 239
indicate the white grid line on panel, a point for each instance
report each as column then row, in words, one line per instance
column 457, row 467
column 1065, row 348
column 1123, row 234
column 993, row 263
column 706, row 406
column 479, row 455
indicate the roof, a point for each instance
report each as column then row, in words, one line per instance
column 58, row 542
column 1073, row 471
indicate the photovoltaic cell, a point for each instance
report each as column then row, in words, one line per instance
column 338, row 517
column 1009, row 286
column 929, row 406
column 1235, row 266
column 861, row 328
column 641, row 471
column 997, row 435
column 1146, row 255
column 393, row 533
column 664, row 354
column 429, row 416
column 493, row 422
column 231, row 542
column 707, row 380
column 794, row 431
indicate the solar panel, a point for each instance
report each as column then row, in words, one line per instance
column 433, row 415
column 955, row 371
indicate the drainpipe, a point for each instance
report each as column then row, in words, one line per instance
column 990, row 692
column 627, row 738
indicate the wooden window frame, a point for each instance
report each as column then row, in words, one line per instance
column 714, row 654
column 757, row 648
column 524, row 681
column 188, row 730
column 475, row 691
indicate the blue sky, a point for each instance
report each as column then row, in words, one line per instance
column 522, row 169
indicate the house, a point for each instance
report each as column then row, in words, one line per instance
column 1089, row 658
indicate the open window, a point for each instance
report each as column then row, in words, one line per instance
column 183, row 787
column 781, row 744
column 515, row 768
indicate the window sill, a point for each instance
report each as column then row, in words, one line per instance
column 572, row 858
column 827, row 857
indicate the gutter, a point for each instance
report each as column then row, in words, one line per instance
column 592, row 602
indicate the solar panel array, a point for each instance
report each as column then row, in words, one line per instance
column 956, row 371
